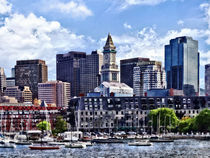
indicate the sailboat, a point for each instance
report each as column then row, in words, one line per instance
column 43, row 146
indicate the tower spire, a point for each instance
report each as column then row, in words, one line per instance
column 109, row 43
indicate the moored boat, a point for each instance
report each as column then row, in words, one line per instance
column 75, row 145
column 140, row 143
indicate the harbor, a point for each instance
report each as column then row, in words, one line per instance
column 179, row 148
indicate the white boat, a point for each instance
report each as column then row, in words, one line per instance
column 87, row 143
column 75, row 145
column 56, row 143
column 6, row 144
column 140, row 143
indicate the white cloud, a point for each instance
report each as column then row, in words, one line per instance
column 124, row 4
column 127, row 26
column 5, row 7
column 32, row 37
column 75, row 9
column 180, row 22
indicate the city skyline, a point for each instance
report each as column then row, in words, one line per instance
column 56, row 29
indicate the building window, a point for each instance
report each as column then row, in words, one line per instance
column 114, row 76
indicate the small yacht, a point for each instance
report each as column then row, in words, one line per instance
column 140, row 143
column 75, row 145
column 6, row 144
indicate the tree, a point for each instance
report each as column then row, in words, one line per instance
column 43, row 125
column 60, row 125
column 163, row 117
column 202, row 121
column 186, row 124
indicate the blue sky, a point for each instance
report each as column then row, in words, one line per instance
column 140, row 28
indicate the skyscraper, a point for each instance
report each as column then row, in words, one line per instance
column 90, row 71
column 2, row 80
column 182, row 65
column 68, row 69
column 109, row 70
column 126, row 69
column 148, row 76
column 207, row 79
column 30, row 73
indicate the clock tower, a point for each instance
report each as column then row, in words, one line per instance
column 109, row 69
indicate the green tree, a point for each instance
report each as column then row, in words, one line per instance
column 186, row 125
column 202, row 121
column 163, row 118
column 43, row 125
column 60, row 125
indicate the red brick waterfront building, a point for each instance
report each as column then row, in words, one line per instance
column 24, row 117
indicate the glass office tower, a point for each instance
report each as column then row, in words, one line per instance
column 182, row 65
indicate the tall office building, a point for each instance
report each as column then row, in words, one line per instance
column 30, row 73
column 109, row 70
column 147, row 77
column 182, row 65
column 126, row 69
column 54, row 93
column 90, row 72
column 68, row 69
column 2, row 80
column 207, row 79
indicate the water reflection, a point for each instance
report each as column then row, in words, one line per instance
column 178, row 148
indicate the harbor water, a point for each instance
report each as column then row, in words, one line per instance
column 188, row 148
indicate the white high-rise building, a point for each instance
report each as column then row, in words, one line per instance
column 55, row 93
column 147, row 77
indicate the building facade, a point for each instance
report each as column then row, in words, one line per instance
column 182, row 65
column 10, row 81
column 54, row 93
column 2, row 80
column 207, row 79
column 90, row 72
column 68, row 69
column 22, row 94
column 109, row 69
column 16, row 117
column 148, row 76
column 108, row 89
column 30, row 73
column 126, row 69
column 109, row 114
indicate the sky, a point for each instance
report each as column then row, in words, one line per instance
column 41, row 29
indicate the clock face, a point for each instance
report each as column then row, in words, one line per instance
column 106, row 57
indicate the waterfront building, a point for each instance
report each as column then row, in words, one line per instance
column 16, row 117
column 109, row 114
column 109, row 69
column 90, row 72
column 148, row 76
column 30, row 73
column 68, row 69
column 54, row 93
column 182, row 65
column 2, row 80
column 207, row 79
column 126, row 69
column 22, row 94
column 114, row 88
